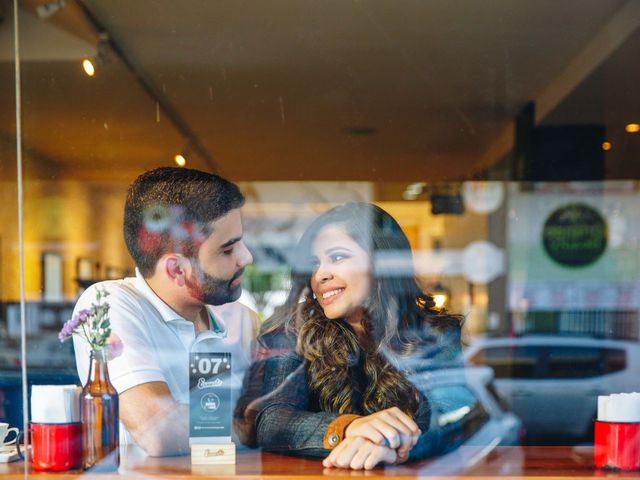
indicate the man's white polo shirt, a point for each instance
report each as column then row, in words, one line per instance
column 157, row 341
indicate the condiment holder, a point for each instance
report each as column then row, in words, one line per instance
column 617, row 432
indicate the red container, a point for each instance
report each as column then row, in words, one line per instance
column 56, row 446
column 617, row 445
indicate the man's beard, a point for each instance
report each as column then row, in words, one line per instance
column 215, row 291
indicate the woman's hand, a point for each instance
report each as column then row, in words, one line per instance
column 358, row 453
column 391, row 427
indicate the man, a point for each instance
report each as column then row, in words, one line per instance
column 183, row 229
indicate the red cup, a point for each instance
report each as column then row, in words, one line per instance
column 617, row 445
column 56, row 446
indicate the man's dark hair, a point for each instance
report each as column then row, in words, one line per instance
column 169, row 210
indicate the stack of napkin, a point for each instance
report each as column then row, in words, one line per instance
column 619, row 407
column 55, row 403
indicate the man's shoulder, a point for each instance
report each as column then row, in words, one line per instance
column 119, row 291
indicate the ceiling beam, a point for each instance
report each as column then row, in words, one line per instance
column 614, row 33
column 601, row 47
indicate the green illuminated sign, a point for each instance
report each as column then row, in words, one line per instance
column 575, row 235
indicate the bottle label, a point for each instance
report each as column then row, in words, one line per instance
column 210, row 397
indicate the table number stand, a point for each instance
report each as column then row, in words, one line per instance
column 210, row 409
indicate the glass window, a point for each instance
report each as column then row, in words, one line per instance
column 500, row 139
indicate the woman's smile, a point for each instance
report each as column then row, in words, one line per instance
column 341, row 279
column 329, row 296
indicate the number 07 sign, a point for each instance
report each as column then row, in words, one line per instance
column 210, row 398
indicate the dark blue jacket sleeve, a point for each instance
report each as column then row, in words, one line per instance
column 285, row 423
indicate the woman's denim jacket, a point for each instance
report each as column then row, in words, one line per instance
column 290, row 421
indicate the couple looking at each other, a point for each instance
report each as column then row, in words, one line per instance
column 326, row 382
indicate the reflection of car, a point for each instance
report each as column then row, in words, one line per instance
column 552, row 382
column 11, row 388
column 465, row 408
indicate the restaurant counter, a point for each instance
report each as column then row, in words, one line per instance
column 476, row 462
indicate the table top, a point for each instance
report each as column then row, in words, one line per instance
column 468, row 461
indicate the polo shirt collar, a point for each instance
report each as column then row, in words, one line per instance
column 167, row 313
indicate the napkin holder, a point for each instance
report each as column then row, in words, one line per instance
column 55, row 428
column 617, row 445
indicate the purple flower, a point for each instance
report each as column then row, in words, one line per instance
column 70, row 325
column 82, row 315
column 92, row 324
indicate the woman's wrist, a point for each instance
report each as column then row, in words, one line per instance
column 337, row 430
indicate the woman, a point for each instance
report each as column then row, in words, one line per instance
column 353, row 311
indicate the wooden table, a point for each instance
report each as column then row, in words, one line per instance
column 476, row 462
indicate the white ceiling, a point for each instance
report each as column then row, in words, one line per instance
column 270, row 87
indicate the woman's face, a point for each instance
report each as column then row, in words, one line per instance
column 341, row 278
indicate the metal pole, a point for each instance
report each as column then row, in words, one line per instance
column 23, row 319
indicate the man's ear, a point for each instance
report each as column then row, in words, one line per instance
column 174, row 268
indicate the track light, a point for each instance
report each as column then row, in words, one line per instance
column 88, row 67
column 48, row 9
column 180, row 160
column 101, row 58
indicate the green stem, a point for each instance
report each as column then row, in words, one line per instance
column 86, row 335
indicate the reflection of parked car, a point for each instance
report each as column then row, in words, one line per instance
column 552, row 382
column 466, row 408
column 11, row 388
column 49, row 363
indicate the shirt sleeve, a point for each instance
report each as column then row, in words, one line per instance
column 285, row 423
column 138, row 362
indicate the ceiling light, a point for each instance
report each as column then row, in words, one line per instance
column 180, row 160
column 632, row 128
column 88, row 67
column 606, row 146
column 91, row 65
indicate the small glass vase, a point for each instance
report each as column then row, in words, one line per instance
column 100, row 417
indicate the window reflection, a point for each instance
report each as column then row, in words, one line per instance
column 505, row 151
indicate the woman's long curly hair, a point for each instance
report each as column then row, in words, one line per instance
column 340, row 365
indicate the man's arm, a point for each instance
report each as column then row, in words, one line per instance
column 157, row 422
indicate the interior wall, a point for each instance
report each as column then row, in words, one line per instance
column 9, row 263
column 74, row 219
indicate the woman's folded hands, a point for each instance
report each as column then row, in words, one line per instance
column 386, row 436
